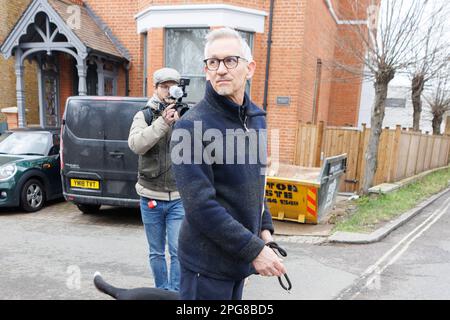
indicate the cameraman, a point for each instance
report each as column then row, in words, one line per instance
column 161, row 207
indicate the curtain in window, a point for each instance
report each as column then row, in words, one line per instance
column 184, row 52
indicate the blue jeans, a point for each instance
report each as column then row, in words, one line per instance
column 164, row 219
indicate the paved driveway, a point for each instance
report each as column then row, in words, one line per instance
column 52, row 254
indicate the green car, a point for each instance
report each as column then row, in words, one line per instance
column 29, row 168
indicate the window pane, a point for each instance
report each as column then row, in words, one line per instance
column 26, row 142
column 92, row 80
column 395, row 103
column 184, row 52
column 109, row 87
column 117, row 114
column 195, row 90
column 86, row 121
column 248, row 37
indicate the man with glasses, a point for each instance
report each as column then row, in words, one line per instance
column 226, row 226
column 161, row 207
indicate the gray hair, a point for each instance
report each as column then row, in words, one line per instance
column 228, row 33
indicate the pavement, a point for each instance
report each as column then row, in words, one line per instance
column 287, row 228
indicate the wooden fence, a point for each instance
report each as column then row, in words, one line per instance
column 401, row 153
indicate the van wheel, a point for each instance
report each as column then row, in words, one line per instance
column 32, row 196
column 88, row 208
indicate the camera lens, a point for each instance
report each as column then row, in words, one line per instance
column 182, row 109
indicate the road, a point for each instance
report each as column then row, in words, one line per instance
column 53, row 254
column 416, row 266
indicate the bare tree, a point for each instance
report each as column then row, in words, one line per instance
column 387, row 38
column 439, row 99
column 431, row 53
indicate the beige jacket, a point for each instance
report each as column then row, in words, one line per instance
column 141, row 139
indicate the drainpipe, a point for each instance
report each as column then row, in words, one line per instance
column 269, row 45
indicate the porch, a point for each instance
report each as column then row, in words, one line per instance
column 74, row 53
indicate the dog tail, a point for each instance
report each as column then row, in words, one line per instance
column 105, row 287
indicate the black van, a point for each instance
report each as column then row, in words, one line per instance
column 97, row 166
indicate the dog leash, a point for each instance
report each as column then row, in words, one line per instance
column 274, row 246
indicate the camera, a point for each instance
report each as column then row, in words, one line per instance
column 177, row 93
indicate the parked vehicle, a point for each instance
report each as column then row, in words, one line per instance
column 29, row 168
column 97, row 166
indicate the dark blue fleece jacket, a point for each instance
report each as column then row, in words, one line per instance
column 220, row 235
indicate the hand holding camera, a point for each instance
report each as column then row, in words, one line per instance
column 176, row 95
column 172, row 107
column 170, row 114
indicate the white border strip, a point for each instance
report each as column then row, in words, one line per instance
column 201, row 15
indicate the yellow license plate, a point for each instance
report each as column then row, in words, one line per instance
column 84, row 184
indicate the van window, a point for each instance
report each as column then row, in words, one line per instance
column 85, row 118
column 119, row 117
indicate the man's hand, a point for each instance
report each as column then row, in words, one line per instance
column 266, row 236
column 170, row 115
column 267, row 263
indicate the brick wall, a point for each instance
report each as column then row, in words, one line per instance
column 346, row 87
column 155, row 61
column 31, row 92
column 351, row 9
column 9, row 13
column 121, row 82
column 286, row 75
column 66, row 63
column 119, row 17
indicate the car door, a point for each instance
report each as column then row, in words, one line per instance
column 83, row 147
column 120, row 163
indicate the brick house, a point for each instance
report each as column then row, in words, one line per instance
column 104, row 47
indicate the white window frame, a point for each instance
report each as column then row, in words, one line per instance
column 201, row 15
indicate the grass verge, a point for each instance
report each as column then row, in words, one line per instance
column 372, row 211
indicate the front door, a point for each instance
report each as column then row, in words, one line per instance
column 50, row 98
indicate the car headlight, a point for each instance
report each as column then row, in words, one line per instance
column 7, row 171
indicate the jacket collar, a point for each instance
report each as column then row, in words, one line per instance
column 154, row 102
column 230, row 108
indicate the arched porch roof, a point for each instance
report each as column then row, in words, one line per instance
column 48, row 26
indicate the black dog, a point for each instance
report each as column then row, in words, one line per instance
column 133, row 294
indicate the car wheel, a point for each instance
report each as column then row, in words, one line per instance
column 32, row 196
column 88, row 208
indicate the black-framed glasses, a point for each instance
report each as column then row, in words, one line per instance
column 231, row 62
